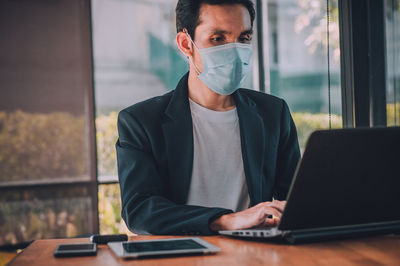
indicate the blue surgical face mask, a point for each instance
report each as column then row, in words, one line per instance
column 224, row 66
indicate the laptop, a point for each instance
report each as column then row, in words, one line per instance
column 346, row 185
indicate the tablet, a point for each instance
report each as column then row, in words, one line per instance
column 162, row 247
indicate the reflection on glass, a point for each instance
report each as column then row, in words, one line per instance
column 44, row 112
column 393, row 61
column 44, row 148
column 44, row 213
column 44, row 87
column 298, row 57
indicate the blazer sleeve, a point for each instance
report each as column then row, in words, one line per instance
column 145, row 206
column 288, row 154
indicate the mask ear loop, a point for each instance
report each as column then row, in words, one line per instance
column 189, row 57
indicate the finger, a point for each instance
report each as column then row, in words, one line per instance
column 268, row 223
column 262, row 215
column 279, row 205
column 275, row 204
column 272, row 211
column 276, row 221
column 282, row 202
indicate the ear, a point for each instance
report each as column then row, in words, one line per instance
column 184, row 44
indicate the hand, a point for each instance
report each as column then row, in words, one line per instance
column 264, row 214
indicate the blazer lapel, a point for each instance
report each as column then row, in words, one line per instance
column 252, row 135
column 178, row 137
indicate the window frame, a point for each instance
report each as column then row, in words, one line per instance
column 362, row 44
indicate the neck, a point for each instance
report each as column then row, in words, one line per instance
column 201, row 94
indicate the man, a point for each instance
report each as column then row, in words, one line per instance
column 207, row 156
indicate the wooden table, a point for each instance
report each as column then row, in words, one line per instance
column 381, row 250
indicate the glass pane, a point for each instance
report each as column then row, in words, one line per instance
column 110, row 210
column 44, row 81
column 44, row 213
column 42, row 147
column 393, row 61
column 135, row 58
column 45, row 118
column 298, row 48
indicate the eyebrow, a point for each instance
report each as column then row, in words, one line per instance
column 246, row 32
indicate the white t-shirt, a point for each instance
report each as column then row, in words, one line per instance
column 218, row 178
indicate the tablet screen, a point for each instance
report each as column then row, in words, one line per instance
column 133, row 247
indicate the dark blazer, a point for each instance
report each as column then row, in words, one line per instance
column 155, row 158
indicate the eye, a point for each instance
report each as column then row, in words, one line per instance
column 245, row 38
column 217, row 39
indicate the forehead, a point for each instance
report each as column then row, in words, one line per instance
column 227, row 17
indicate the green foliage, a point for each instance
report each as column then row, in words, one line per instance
column 109, row 195
column 41, row 146
column 35, row 147
column 106, row 137
column 26, row 215
column 306, row 123
column 313, row 17
column 110, row 210
column 393, row 114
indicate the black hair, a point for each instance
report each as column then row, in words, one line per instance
column 188, row 11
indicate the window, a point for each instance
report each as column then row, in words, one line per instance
column 392, row 16
column 48, row 182
column 304, row 61
column 135, row 58
column 47, row 179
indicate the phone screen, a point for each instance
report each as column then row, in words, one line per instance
column 75, row 247
column 72, row 250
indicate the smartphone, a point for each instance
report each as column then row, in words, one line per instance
column 74, row 250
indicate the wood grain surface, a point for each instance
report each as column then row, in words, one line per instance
column 381, row 250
